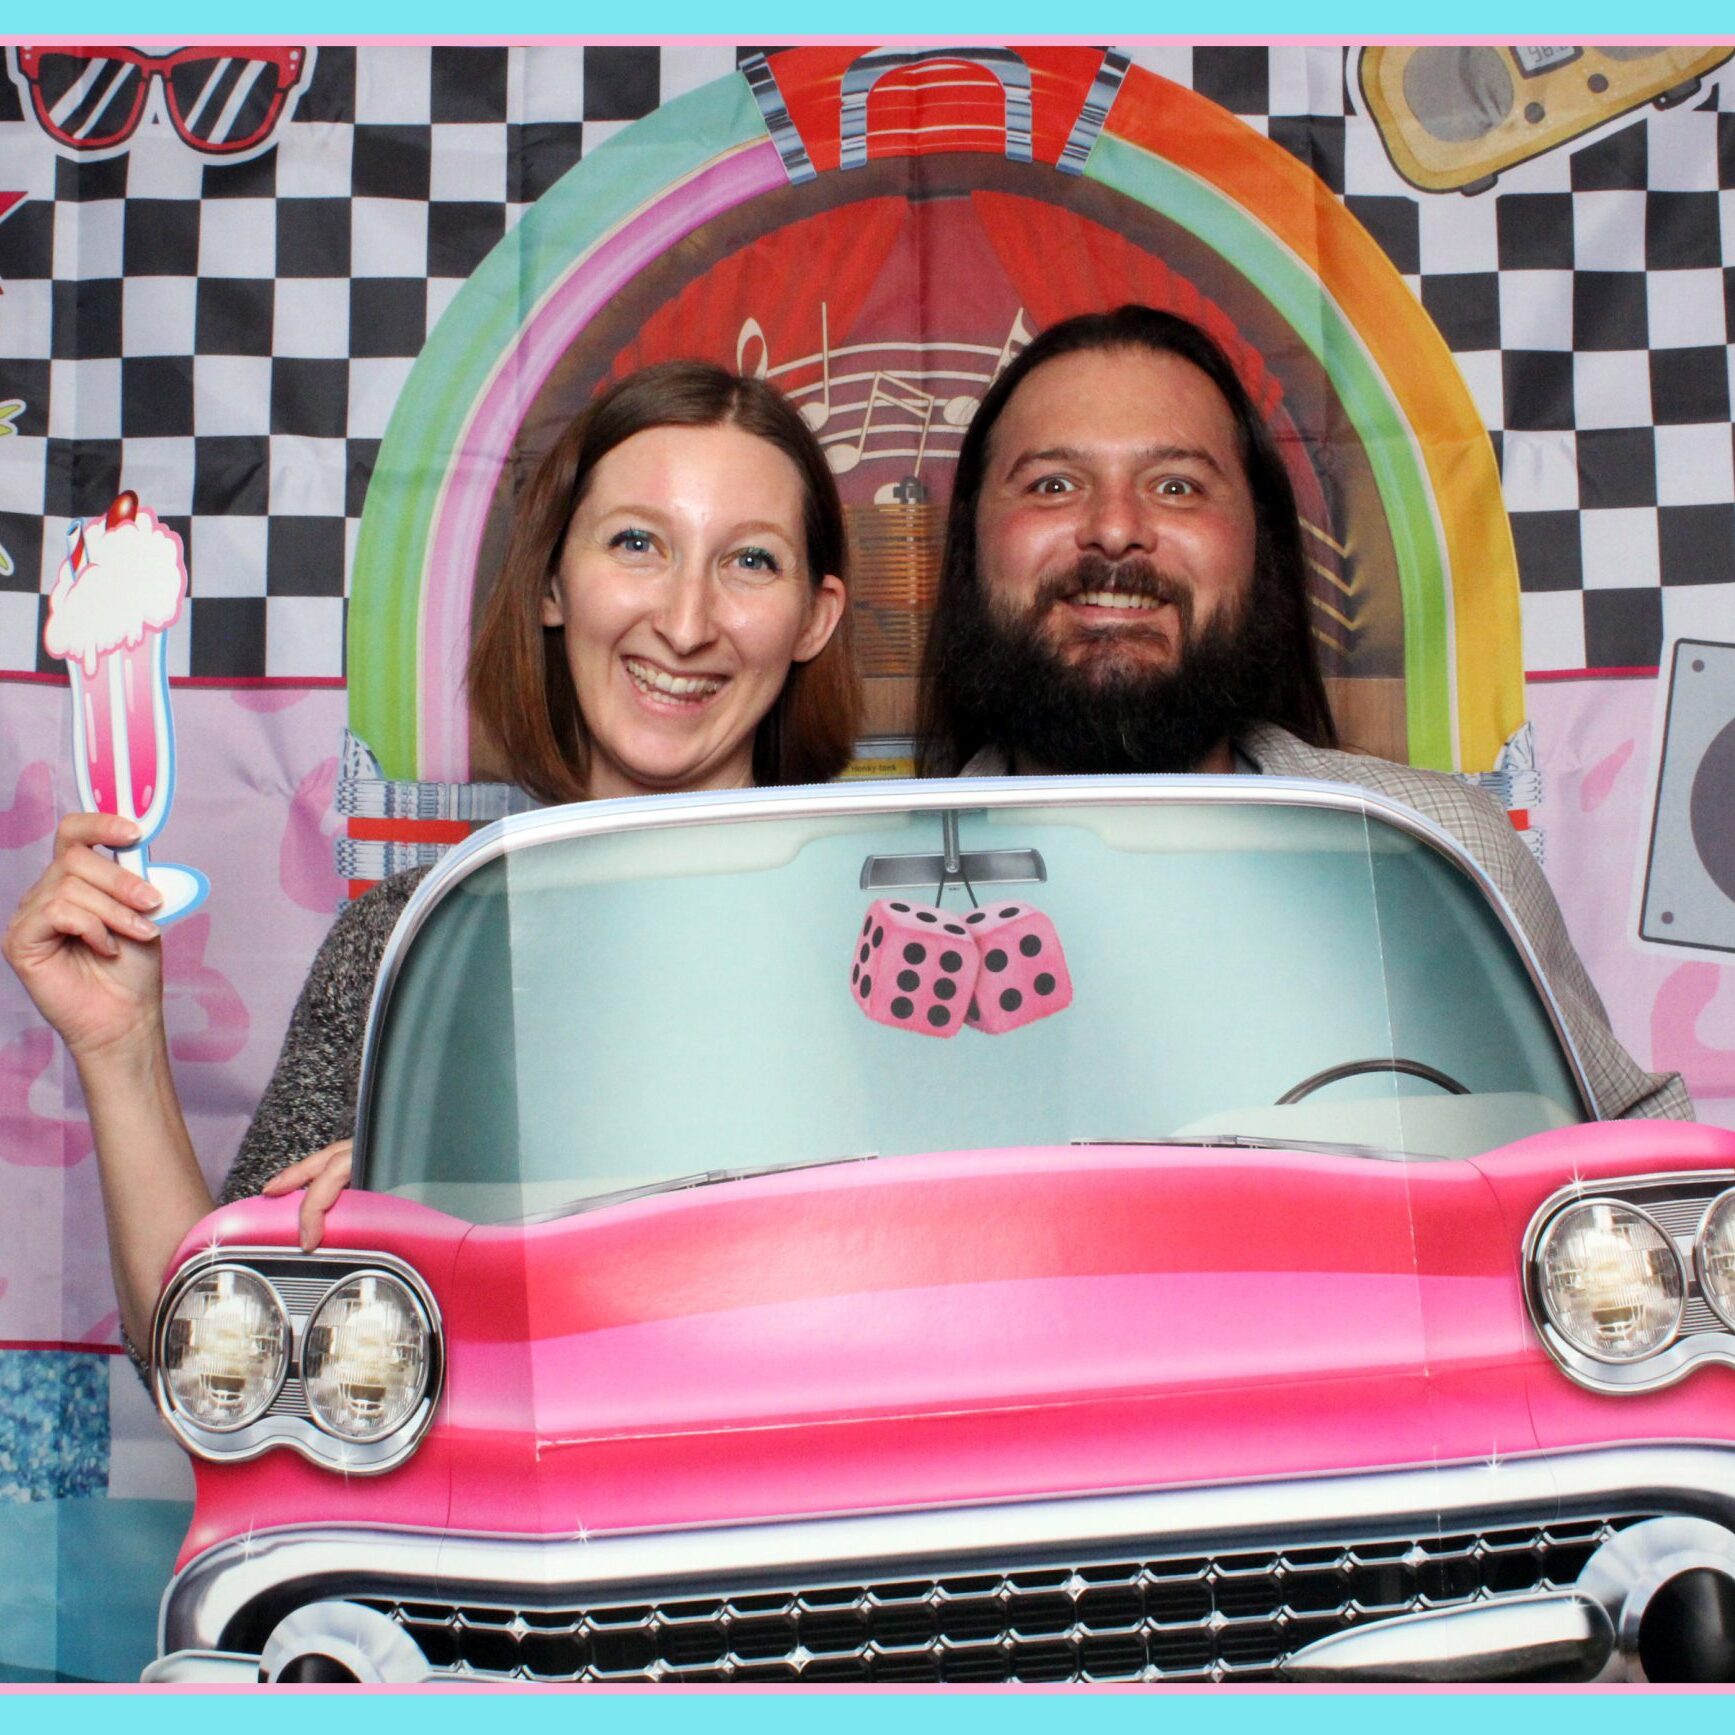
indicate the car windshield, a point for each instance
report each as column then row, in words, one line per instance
column 596, row 1006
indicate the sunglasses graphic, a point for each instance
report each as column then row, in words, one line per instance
column 221, row 99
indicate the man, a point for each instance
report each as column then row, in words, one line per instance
column 1124, row 590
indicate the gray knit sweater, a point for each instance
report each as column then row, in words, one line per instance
column 311, row 1099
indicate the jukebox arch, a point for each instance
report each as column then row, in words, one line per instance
column 878, row 232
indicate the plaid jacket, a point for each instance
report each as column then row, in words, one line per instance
column 1621, row 1087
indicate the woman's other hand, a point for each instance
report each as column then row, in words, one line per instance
column 82, row 943
column 325, row 1174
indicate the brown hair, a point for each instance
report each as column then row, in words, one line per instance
column 1297, row 700
column 520, row 686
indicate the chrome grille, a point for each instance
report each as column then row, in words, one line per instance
column 301, row 1295
column 1135, row 1617
column 292, row 1400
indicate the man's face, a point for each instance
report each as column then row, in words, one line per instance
column 1113, row 627
column 1115, row 522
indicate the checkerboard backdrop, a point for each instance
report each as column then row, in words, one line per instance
column 232, row 337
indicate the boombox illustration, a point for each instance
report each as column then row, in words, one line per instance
column 1689, row 895
column 1455, row 117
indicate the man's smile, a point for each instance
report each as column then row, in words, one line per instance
column 1101, row 602
column 1116, row 601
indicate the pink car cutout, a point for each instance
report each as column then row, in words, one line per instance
column 1278, row 1309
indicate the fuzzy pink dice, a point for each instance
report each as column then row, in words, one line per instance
column 1023, row 973
column 914, row 967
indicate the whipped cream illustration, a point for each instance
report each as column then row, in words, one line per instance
column 131, row 582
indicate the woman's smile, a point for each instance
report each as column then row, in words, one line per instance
column 666, row 688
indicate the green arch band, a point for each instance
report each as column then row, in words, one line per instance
column 1317, row 322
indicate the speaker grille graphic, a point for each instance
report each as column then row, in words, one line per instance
column 1690, row 880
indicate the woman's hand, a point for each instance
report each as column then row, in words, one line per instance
column 82, row 945
column 325, row 1174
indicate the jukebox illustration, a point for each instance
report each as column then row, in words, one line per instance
column 879, row 233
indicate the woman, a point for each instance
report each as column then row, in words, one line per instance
column 671, row 615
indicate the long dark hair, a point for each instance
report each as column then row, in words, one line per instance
column 520, row 686
column 945, row 739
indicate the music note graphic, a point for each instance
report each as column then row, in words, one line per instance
column 752, row 331
column 895, row 394
column 960, row 411
column 817, row 415
column 926, row 407
column 1020, row 334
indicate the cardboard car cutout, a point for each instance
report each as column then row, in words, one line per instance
column 1283, row 1310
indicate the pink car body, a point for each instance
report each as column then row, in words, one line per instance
column 1049, row 1412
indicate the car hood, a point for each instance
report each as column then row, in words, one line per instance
column 978, row 1325
column 970, row 1327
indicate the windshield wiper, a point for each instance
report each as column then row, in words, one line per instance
column 1258, row 1142
column 682, row 1183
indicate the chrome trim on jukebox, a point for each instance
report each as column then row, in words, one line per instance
column 864, row 74
column 1104, row 88
column 762, row 81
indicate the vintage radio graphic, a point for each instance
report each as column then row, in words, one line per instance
column 1455, row 117
column 1690, row 880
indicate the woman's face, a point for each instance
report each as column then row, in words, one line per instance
column 684, row 596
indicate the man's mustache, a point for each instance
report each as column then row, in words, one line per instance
column 1135, row 577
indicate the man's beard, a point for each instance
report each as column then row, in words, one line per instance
column 1106, row 709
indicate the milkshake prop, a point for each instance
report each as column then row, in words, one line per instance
column 117, row 593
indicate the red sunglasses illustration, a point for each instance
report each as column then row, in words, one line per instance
column 222, row 100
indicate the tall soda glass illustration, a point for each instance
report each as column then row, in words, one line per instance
column 118, row 592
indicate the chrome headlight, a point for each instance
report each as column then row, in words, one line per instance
column 364, row 1360
column 1610, row 1280
column 225, row 1348
column 1714, row 1252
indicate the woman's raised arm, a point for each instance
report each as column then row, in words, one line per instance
column 87, row 953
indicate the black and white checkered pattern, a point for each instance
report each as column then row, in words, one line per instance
column 1588, row 302
column 233, row 337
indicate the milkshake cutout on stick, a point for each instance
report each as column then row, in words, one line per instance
column 117, row 593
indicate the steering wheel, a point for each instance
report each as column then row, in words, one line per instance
column 1355, row 1068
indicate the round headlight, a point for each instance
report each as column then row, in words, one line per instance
column 1715, row 1253
column 364, row 1360
column 1611, row 1280
column 225, row 1348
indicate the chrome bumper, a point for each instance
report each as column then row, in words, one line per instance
column 212, row 1595
column 202, row 1669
